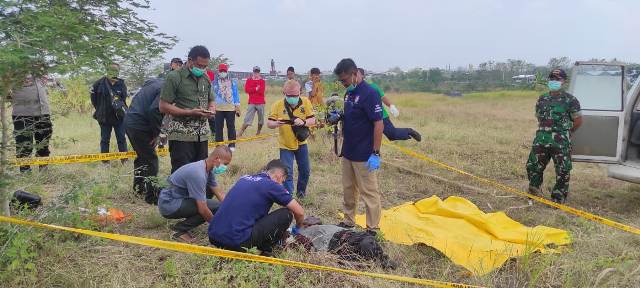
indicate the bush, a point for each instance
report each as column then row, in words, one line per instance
column 75, row 98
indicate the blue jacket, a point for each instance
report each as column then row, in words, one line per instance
column 234, row 92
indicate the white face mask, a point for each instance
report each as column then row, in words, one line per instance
column 223, row 74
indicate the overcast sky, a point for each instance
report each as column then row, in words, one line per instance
column 407, row 33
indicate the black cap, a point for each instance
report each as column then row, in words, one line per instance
column 557, row 74
column 176, row 60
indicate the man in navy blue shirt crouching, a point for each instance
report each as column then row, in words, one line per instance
column 243, row 220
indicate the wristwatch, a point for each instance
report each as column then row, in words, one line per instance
column 376, row 152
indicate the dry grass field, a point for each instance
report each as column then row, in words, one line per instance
column 487, row 134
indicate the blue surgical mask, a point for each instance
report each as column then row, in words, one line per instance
column 554, row 85
column 220, row 169
column 197, row 71
column 223, row 74
column 293, row 100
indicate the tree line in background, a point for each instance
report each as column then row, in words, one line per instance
column 489, row 75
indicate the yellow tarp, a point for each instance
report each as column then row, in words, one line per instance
column 478, row 241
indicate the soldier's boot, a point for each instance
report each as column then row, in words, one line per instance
column 558, row 197
column 535, row 191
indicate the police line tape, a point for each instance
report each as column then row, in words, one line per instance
column 574, row 211
column 204, row 250
column 84, row 158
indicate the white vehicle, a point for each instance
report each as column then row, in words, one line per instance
column 610, row 132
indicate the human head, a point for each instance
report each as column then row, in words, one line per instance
column 347, row 71
column 176, row 63
column 199, row 58
column 291, row 73
column 223, row 70
column 361, row 72
column 557, row 77
column 277, row 171
column 315, row 74
column 291, row 88
column 221, row 155
column 256, row 72
column 113, row 70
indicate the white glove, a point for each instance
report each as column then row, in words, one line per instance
column 394, row 111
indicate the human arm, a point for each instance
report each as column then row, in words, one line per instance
column 378, row 127
column 168, row 108
column 203, row 210
column 577, row 122
column 272, row 120
column 217, row 191
column 298, row 213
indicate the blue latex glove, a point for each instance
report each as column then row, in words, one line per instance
column 295, row 230
column 373, row 163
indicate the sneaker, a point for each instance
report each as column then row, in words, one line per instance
column 415, row 135
column 345, row 225
column 558, row 197
column 233, row 149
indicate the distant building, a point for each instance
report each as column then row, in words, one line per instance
column 524, row 78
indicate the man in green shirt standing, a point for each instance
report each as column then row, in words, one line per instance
column 391, row 131
column 187, row 102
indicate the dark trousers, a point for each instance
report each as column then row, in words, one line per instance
column 105, row 136
column 266, row 232
column 183, row 152
column 394, row 133
column 212, row 125
column 189, row 210
column 304, row 168
column 145, row 165
column 230, row 118
column 32, row 132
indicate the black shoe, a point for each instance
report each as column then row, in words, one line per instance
column 558, row 197
column 345, row 225
column 266, row 253
column 415, row 135
column 373, row 232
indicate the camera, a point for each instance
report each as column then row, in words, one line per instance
column 334, row 113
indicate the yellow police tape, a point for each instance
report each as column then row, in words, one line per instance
column 70, row 159
column 580, row 213
column 203, row 250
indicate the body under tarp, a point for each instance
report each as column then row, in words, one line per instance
column 478, row 241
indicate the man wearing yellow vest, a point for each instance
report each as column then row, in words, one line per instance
column 292, row 116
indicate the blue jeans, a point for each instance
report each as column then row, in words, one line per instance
column 304, row 169
column 394, row 133
column 105, row 136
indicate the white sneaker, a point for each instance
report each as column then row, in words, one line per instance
column 233, row 149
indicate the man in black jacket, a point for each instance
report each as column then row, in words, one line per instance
column 105, row 93
column 143, row 122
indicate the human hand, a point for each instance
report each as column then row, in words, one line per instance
column 373, row 163
column 394, row 111
column 298, row 122
column 199, row 112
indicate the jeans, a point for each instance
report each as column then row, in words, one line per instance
column 145, row 165
column 394, row 133
column 105, row 136
column 189, row 210
column 183, row 153
column 30, row 130
column 265, row 233
column 230, row 118
column 304, row 169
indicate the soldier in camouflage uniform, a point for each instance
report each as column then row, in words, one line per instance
column 558, row 114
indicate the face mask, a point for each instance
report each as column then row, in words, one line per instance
column 351, row 88
column 293, row 100
column 554, row 85
column 223, row 74
column 197, row 71
column 220, row 169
